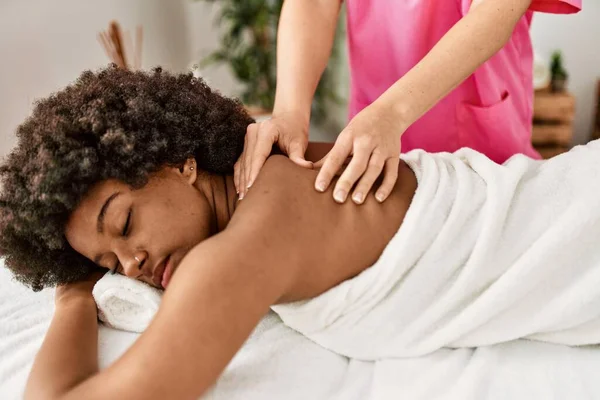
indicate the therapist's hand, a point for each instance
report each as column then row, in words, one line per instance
column 372, row 138
column 287, row 130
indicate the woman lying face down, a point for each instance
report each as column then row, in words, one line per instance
column 125, row 171
column 131, row 172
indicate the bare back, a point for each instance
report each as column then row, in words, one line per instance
column 331, row 242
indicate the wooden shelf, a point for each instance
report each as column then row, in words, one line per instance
column 553, row 116
column 553, row 107
column 544, row 134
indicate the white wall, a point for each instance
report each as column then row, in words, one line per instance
column 578, row 37
column 44, row 45
column 204, row 38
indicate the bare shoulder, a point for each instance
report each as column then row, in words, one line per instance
column 283, row 191
column 282, row 185
column 279, row 167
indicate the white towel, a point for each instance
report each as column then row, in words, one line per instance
column 125, row 303
column 487, row 253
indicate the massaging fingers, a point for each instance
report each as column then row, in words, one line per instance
column 353, row 172
column 390, row 175
column 242, row 162
column 237, row 171
column 296, row 150
column 263, row 143
column 331, row 163
column 251, row 137
column 374, row 169
column 242, row 182
column 236, row 175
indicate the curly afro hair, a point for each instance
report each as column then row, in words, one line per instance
column 110, row 124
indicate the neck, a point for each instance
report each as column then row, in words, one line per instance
column 223, row 200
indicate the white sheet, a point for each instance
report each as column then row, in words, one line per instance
column 486, row 254
column 278, row 363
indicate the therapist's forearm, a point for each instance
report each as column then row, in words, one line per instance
column 304, row 41
column 473, row 40
column 69, row 353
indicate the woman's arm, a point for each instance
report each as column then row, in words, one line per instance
column 69, row 353
column 214, row 301
column 221, row 290
column 304, row 41
column 473, row 40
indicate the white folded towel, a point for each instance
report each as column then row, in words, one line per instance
column 125, row 303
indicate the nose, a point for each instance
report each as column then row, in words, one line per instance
column 133, row 263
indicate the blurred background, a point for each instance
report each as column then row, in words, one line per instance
column 45, row 45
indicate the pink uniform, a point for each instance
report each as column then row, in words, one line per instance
column 490, row 112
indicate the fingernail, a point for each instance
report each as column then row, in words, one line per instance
column 241, row 196
column 380, row 197
column 358, row 198
column 340, row 196
column 320, row 186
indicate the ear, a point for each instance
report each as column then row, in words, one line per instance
column 189, row 171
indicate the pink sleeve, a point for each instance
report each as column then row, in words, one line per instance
column 556, row 6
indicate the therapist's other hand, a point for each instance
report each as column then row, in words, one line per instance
column 287, row 130
column 372, row 138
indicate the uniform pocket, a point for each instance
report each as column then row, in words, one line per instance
column 494, row 130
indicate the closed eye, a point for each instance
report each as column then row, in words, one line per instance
column 127, row 224
column 125, row 232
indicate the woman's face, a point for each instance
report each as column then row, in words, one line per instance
column 142, row 233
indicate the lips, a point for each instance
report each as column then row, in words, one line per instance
column 159, row 270
column 166, row 278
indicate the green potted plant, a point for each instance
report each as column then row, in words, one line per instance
column 559, row 74
column 248, row 46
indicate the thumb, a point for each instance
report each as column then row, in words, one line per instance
column 296, row 154
column 319, row 164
